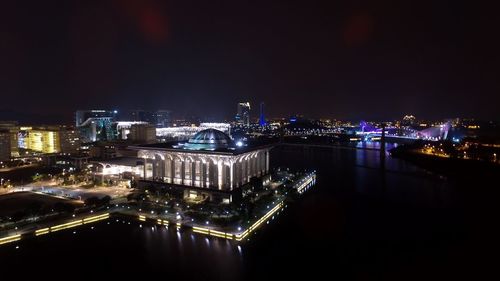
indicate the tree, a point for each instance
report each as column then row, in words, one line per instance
column 62, row 207
column 103, row 133
column 256, row 183
column 105, row 200
column 92, row 201
column 19, row 215
column 34, row 208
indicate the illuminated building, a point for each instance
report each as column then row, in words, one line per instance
column 408, row 120
column 123, row 128
column 185, row 132
column 262, row 118
column 53, row 139
column 96, row 125
column 43, row 141
column 243, row 113
column 5, row 138
column 209, row 164
column 117, row 168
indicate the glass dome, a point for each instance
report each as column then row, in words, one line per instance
column 209, row 139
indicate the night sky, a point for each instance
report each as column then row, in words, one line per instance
column 337, row 59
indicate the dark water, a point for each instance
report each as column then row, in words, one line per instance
column 359, row 222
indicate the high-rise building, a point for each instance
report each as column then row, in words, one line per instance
column 243, row 113
column 163, row 119
column 160, row 118
column 262, row 117
column 142, row 133
column 5, row 152
column 140, row 115
column 96, row 125
column 13, row 128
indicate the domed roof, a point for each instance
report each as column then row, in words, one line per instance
column 208, row 139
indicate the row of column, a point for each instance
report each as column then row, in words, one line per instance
column 227, row 172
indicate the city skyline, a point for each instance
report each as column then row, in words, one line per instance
column 24, row 118
column 249, row 140
column 315, row 58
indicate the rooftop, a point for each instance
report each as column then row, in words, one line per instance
column 177, row 146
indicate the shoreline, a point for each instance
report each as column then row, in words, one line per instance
column 301, row 186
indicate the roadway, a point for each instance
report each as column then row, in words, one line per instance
column 75, row 193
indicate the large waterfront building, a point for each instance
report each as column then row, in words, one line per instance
column 209, row 164
column 96, row 125
column 243, row 113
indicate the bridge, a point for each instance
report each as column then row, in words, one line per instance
column 435, row 133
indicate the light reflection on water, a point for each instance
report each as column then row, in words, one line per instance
column 347, row 178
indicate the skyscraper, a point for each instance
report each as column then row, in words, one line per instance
column 262, row 117
column 140, row 115
column 96, row 125
column 163, row 119
column 243, row 113
column 160, row 118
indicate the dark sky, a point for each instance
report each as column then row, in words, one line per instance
column 340, row 59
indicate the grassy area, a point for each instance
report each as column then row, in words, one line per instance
column 19, row 201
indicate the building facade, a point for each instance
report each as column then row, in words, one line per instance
column 13, row 128
column 208, row 161
column 44, row 141
column 5, row 148
column 186, row 132
column 123, row 128
column 96, row 125
column 159, row 118
column 52, row 139
column 243, row 114
column 163, row 118
column 69, row 140
column 143, row 133
column 262, row 117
